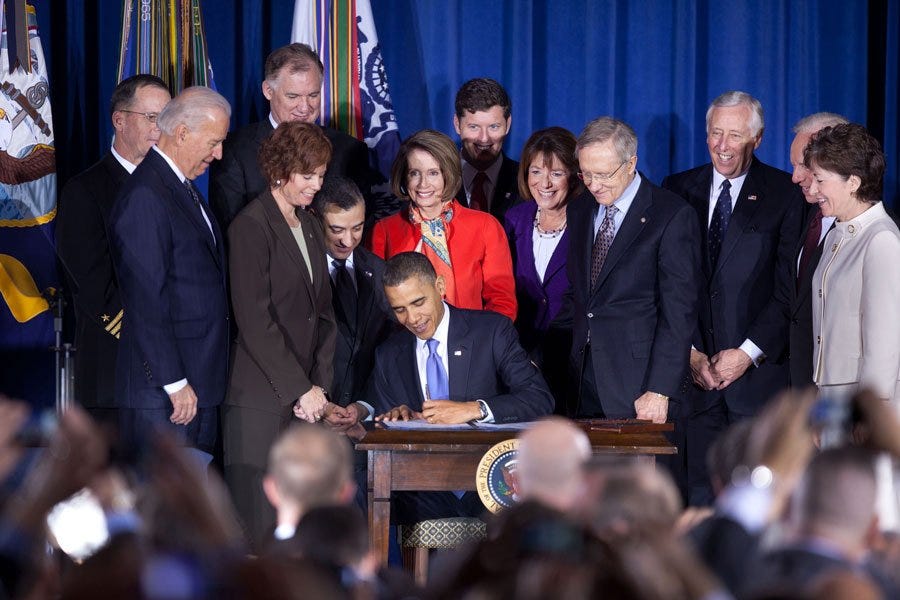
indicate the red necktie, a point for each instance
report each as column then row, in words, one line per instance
column 477, row 199
column 813, row 233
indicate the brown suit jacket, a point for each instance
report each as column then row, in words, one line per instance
column 286, row 326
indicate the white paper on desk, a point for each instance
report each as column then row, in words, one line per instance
column 421, row 425
column 504, row 426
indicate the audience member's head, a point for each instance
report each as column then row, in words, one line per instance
column 342, row 209
column 482, row 119
column 309, row 466
column 336, row 536
column 734, row 128
column 804, row 130
column 551, row 457
column 194, row 125
column 835, row 500
column 134, row 107
column 293, row 84
column 636, row 499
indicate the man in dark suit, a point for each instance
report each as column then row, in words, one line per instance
column 808, row 251
column 360, row 307
column 750, row 216
column 83, row 245
column 451, row 366
column 292, row 85
column 482, row 121
column 634, row 269
column 170, row 259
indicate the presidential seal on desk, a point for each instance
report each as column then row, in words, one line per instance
column 496, row 478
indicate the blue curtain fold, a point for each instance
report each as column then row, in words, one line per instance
column 653, row 63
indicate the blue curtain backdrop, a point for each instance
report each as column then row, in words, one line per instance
column 654, row 63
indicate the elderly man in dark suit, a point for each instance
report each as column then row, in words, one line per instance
column 634, row 269
column 808, row 251
column 450, row 366
column 293, row 87
column 83, row 244
column 170, row 259
column 750, row 216
column 482, row 121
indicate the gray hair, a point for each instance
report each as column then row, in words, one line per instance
column 602, row 129
column 738, row 98
column 818, row 121
column 192, row 107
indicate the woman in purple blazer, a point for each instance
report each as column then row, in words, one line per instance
column 548, row 175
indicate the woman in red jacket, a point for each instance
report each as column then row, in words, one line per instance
column 468, row 248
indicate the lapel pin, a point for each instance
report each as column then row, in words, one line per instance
column 368, row 273
column 643, row 219
column 457, row 353
column 752, row 198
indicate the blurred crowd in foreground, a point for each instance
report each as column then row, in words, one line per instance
column 791, row 520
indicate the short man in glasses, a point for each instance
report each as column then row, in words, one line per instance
column 751, row 214
column 83, row 245
column 634, row 271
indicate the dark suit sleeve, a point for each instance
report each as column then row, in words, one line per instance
column 323, row 370
column 261, row 335
column 769, row 330
column 528, row 396
column 678, row 276
column 142, row 240
column 227, row 185
column 380, row 389
column 83, row 247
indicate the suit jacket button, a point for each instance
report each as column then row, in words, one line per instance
column 590, row 315
column 543, row 301
column 714, row 295
column 709, row 331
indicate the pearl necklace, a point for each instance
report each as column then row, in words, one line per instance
column 545, row 233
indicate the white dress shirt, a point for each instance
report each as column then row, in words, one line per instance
column 442, row 335
column 126, row 164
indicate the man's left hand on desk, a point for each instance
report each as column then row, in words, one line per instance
column 449, row 412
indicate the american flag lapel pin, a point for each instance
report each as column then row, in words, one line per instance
column 457, row 353
column 752, row 198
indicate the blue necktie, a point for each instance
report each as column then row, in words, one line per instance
column 719, row 224
column 435, row 374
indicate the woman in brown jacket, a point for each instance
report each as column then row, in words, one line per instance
column 281, row 296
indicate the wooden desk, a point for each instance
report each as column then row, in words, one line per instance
column 447, row 460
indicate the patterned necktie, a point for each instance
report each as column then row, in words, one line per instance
column 436, row 381
column 345, row 292
column 477, row 199
column 195, row 197
column 810, row 244
column 602, row 242
column 719, row 224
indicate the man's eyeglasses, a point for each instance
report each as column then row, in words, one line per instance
column 588, row 178
column 151, row 116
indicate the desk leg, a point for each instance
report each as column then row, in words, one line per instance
column 380, row 502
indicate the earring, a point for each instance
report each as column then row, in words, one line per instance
column 403, row 190
column 277, row 183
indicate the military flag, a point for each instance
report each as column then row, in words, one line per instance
column 165, row 38
column 27, row 209
column 355, row 97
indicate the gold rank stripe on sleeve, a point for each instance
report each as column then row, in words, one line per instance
column 115, row 325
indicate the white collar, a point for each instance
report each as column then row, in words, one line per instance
column 441, row 334
column 172, row 164
column 126, row 164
